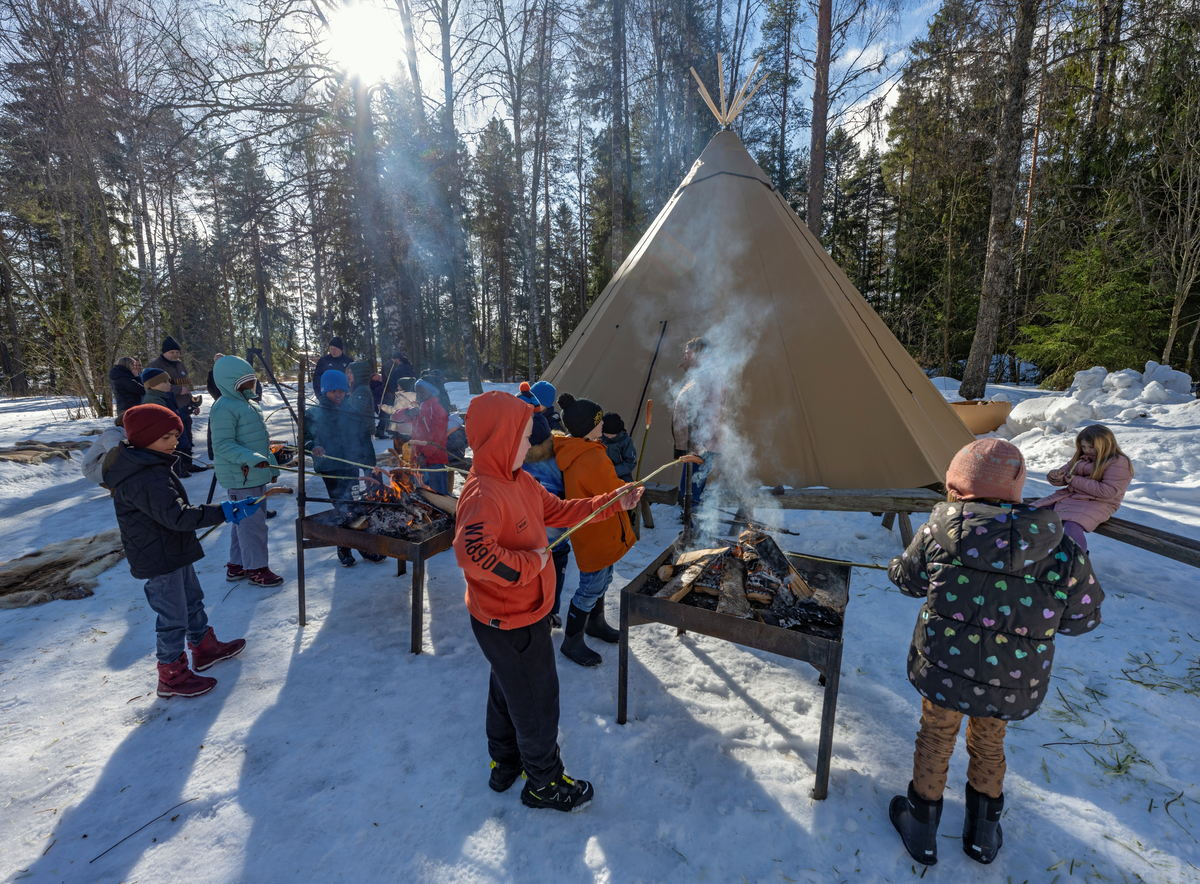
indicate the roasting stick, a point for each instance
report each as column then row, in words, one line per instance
column 687, row 458
column 364, row 466
column 271, row 492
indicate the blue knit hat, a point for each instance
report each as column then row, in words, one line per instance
column 427, row 387
column 545, row 393
column 332, row 379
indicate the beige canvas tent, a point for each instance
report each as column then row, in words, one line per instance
column 819, row 391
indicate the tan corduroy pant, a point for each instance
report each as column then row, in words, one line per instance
column 935, row 745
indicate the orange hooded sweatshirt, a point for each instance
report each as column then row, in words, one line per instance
column 502, row 519
column 587, row 471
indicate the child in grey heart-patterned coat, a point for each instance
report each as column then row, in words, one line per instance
column 1000, row 580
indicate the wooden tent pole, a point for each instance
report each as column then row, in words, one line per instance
column 707, row 98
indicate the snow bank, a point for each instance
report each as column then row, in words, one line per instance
column 1100, row 395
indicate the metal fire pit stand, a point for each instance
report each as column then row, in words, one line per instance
column 825, row 655
column 319, row 530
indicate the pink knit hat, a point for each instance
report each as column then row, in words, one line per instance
column 987, row 468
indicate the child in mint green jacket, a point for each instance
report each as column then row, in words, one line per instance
column 244, row 465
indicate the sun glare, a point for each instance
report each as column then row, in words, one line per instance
column 365, row 40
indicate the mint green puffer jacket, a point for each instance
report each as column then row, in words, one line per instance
column 239, row 433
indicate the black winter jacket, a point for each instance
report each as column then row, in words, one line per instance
column 180, row 383
column 998, row 583
column 158, row 525
column 127, row 389
column 327, row 362
column 623, row 455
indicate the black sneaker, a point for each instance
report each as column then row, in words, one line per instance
column 346, row 557
column 555, row 621
column 372, row 558
column 272, row 514
column 503, row 776
column 563, row 793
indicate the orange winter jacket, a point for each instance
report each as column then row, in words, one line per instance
column 588, row 471
column 502, row 519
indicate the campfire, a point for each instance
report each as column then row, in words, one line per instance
column 398, row 507
column 751, row 578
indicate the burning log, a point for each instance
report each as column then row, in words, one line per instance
column 733, row 599
column 681, row 585
column 768, row 551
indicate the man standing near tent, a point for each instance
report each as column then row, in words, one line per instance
column 699, row 412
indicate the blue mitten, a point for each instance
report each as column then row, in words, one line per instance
column 246, row 508
column 230, row 509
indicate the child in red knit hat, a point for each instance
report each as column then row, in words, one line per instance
column 1000, row 579
column 158, row 531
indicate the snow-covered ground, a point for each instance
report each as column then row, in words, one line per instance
column 331, row 753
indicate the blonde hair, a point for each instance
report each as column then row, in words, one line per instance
column 127, row 362
column 1107, row 450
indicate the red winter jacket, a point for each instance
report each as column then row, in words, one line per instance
column 430, row 427
column 502, row 519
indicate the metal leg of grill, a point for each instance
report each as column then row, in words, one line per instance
column 300, row 568
column 833, row 673
column 623, row 661
column 418, row 603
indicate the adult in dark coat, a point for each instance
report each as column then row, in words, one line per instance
column 181, row 391
column 127, row 388
column 336, row 357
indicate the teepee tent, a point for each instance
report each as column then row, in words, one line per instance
column 818, row 390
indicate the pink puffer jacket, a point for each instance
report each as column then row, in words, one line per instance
column 1087, row 501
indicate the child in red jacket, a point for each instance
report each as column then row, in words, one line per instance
column 500, row 544
column 429, row 437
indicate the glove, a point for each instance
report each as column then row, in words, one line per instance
column 239, row 510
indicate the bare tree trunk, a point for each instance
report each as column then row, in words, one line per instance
column 820, row 116
column 457, row 246
column 616, row 141
column 14, row 368
column 1006, row 168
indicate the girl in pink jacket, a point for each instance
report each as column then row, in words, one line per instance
column 1095, row 481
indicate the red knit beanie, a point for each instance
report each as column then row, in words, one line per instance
column 146, row 424
column 987, row 468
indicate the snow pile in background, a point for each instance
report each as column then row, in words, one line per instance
column 1100, row 395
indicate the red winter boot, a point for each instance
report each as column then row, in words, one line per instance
column 234, row 573
column 264, row 577
column 210, row 650
column 176, row 680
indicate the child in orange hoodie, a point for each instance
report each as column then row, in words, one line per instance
column 587, row 470
column 500, row 543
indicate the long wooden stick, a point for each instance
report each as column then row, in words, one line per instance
column 283, row 489
column 733, row 105
column 707, row 98
column 746, row 100
column 687, row 458
column 645, row 433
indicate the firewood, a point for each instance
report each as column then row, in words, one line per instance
column 681, row 584
column 696, row 555
column 760, row 596
column 798, row 584
column 665, row 573
column 733, row 590
column 359, row 523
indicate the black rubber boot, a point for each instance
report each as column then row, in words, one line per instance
column 503, row 776
column 563, row 793
column 573, row 646
column 597, row 626
column 917, row 822
column 982, row 835
column 346, row 557
column 372, row 558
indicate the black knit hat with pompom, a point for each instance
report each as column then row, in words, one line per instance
column 579, row 416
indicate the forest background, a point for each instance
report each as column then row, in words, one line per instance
column 1014, row 185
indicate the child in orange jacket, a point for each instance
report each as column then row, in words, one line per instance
column 587, row 471
column 500, row 542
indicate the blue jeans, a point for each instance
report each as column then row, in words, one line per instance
column 699, row 478
column 178, row 600
column 437, row 482
column 592, row 585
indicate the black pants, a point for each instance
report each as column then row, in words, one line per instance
column 522, row 707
